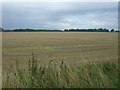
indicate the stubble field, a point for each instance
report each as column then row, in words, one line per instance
column 59, row 59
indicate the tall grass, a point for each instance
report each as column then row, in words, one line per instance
column 61, row 75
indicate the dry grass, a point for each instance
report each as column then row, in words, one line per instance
column 74, row 48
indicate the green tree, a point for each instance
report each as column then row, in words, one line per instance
column 112, row 30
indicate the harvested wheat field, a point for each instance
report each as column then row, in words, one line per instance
column 60, row 59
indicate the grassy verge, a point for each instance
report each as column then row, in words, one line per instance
column 54, row 75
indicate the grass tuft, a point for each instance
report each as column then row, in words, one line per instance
column 94, row 75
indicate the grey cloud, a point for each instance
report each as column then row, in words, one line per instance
column 58, row 15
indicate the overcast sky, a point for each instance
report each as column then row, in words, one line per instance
column 59, row 15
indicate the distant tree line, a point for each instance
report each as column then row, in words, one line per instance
column 90, row 30
column 31, row 30
column 65, row 30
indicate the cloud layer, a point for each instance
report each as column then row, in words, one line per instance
column 60, row 15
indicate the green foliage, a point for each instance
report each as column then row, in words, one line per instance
column 65, row 30
column 112, row 30
column 87, row 30
column 54, row 75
